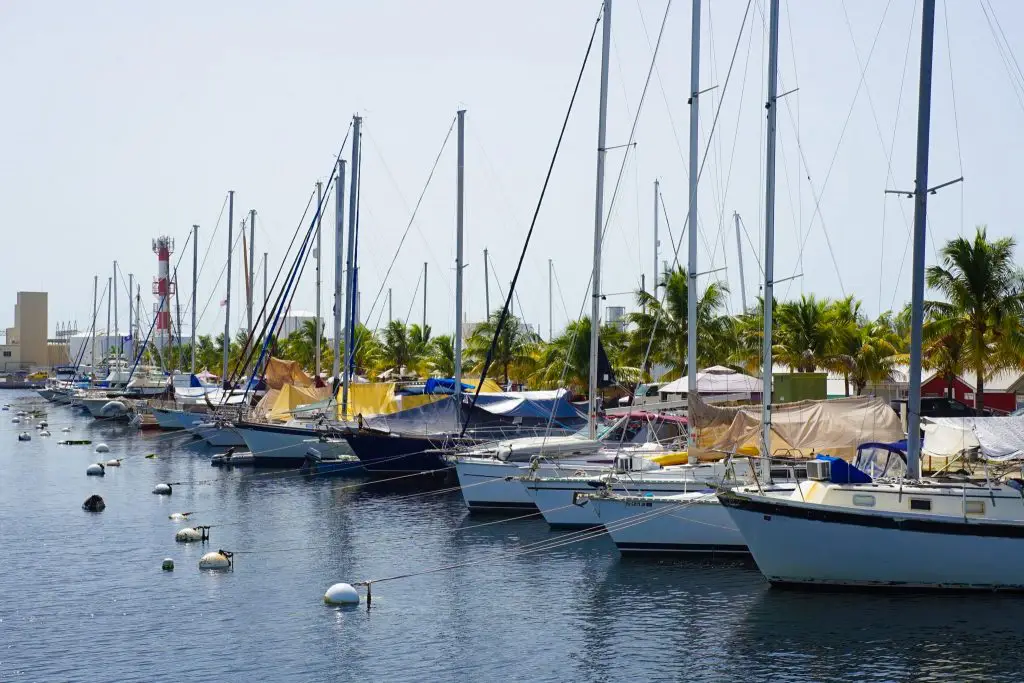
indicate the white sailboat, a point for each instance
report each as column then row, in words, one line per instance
column 904, row 532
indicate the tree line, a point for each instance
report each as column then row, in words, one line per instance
column 974, row 325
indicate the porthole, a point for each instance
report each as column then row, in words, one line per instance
column 922, row 504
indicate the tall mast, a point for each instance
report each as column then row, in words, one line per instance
column 250, row 281
column 264, row 279
column 424, row 295
column 319, row 223
column 177, row 315
column 117, row 334
column 106, row 336
column 654, row 282
column 95, row 313
column 739, row 260
column 769, row 229
column 459, row 198
column 339, row 266
column 391, row 315
column 195, row 281
column 551, row 312
column 595, row 292
column 487, row 287
column 924, row 113
column 138, row 314
column 691, row 258
column 350, row 291
column 131, row 312
column 227, row 298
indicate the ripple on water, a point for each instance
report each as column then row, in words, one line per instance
column 82, row 595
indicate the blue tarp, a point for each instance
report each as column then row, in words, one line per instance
column 443, row 385
column 843, row 472
column 530, row 404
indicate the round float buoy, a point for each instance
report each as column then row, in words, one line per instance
column 15, row 420
column 43, row 425
column 95, row 470
column 102, row 448
column 114, row 409
column 44, row 433
column 341, row 594
column 178, row 516
column 188, row 535
column 162, row 489
column 66, row 430
column 168, row 565
column 24, row 436
column 219, row 559
column 93, row 504
column 113, row 463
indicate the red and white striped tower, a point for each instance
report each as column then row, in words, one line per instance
column 163, row 289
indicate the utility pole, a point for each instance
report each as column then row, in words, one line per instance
column 227, row 298
column 739, row 256
column 319, row 223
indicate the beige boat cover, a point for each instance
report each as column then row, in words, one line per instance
column 280, row 372
column 835, row 427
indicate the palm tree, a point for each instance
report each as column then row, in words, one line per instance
column 565, row 361
column 440, row 356
column 396, row 345
column 661, row 325
column 514, row 351
column 368, row 351
column 807, row 334
column 984, row 303
column 208, row 353
column 300, row 345
column 874, row 354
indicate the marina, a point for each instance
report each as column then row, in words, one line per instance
column 263, row 468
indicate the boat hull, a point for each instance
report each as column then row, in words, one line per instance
column 385, row 454
column 562, row 505
column 693, row 523
column 490, row 485
column 221, row 436
column 286, row 446
column 806, row 545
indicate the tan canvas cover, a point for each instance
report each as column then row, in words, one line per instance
column 835, row 426
column 266, row 404
column 281, row 372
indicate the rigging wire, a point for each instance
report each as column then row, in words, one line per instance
column 956, row 118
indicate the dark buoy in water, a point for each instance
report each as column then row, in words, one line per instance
column 168, row 565
column 95, row 470
column 162, row 489
column 93, row 504
column 24, row 436
column 102, row 448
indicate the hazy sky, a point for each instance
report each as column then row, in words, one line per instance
column 123, row 121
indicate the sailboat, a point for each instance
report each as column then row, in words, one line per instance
column 899, row 532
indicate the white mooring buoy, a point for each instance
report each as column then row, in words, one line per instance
column 220, row 559
column 66, row 430
column 102, row 448
column 162, row 489
column 113, row 463
column 45, row 432
column 341, row 594
column 95, row 470
column 15, row 420
column 24, row 436
column 178, row 516
column 189, row 535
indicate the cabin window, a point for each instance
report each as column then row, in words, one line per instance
column 7, row 354
column 923, row 504
column 863, row 500
column 974, row 507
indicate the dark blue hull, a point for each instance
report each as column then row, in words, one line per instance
column 386, row 454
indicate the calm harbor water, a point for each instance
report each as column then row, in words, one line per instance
column 82, row 596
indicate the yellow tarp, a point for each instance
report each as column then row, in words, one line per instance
column 379, row 398
column 282, row 372
column 489, row 387
column 291, row 398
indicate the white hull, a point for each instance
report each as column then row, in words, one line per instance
column 559, row 500
column 96, row 406
column 843, row 547
column 490, row 484
column 223, row 436
column 688, row 523
column 282, row 448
